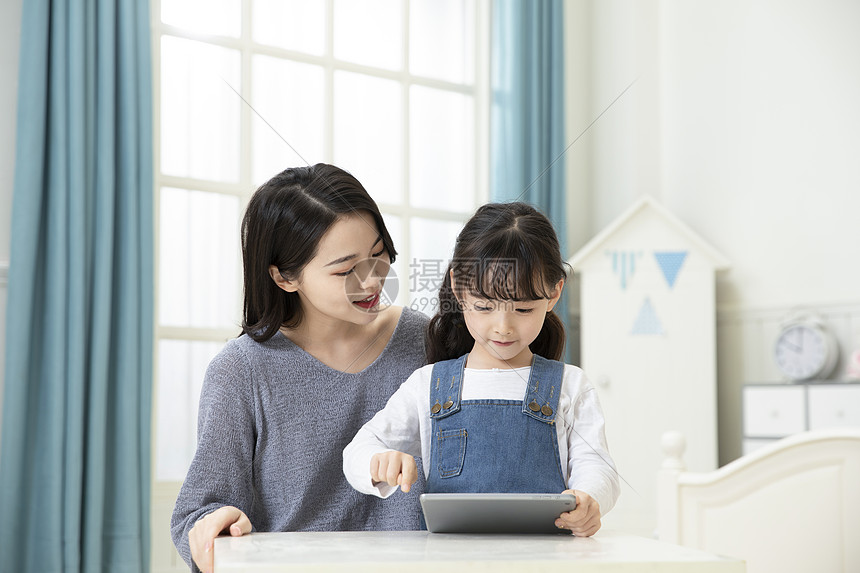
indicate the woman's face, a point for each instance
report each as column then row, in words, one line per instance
column 344, row 280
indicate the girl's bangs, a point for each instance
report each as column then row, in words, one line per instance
column 501, row 279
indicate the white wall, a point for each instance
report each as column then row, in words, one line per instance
column 10, row 35
column 762, row 139
column 744, row 123
column 748, row 109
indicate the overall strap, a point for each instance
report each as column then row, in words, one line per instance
column 446, row 383
column 543, row 389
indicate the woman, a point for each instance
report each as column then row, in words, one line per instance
column 318, row 356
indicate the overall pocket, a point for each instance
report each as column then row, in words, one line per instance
column 452, row 451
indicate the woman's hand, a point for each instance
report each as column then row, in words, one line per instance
column 584, row 521
column 394, row 468
column 201, row 538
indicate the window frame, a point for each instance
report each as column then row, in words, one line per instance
column 244, row 187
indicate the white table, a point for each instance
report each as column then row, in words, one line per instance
column 417, row 551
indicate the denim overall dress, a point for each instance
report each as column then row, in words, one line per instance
column 495, row 446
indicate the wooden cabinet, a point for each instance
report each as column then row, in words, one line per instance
column 648, row 342
column 774, row 411
column 834, row 405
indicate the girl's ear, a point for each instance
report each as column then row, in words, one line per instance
column 283, row 283
column 556, row 294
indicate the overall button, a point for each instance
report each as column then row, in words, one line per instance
column 447, row 404
column 534, row 406
column 436, row 408
column 546, row 410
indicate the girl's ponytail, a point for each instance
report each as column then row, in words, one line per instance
column 447, row 335
column 550, row 341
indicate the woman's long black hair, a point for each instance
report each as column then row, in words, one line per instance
column 283, row 224
column 507, row 252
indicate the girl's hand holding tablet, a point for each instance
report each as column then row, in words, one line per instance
column 584, row 521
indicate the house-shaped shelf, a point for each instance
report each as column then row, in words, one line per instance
column 648, row 341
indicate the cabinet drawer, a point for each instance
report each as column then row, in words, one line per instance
column 834, row 406
column 774, row 412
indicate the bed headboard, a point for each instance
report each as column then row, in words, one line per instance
column 793, row 505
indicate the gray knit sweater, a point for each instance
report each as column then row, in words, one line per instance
column 272, row 425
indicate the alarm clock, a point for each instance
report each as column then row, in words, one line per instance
column 805, row 349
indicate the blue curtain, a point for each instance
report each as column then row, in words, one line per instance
column 527, row 135
column 75, row 454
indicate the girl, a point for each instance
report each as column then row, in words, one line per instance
column 319, row 354
column 496, row 412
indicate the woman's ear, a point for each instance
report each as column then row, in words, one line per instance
column 282, row 282
column 556, row 294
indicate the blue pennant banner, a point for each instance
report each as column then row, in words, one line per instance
column 670, row 263
column 624, row 265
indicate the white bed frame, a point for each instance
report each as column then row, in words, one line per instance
column 793, row 505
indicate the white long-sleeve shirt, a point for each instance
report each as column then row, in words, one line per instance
column 405, row 425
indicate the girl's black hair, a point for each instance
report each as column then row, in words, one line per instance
column 508, row 252
column 283, row 224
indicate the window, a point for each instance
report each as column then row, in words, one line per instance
column 394, row 91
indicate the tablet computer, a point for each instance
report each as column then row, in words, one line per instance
column 495, row 512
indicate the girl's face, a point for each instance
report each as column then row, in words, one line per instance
column 503, row 329
column 344, row 280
